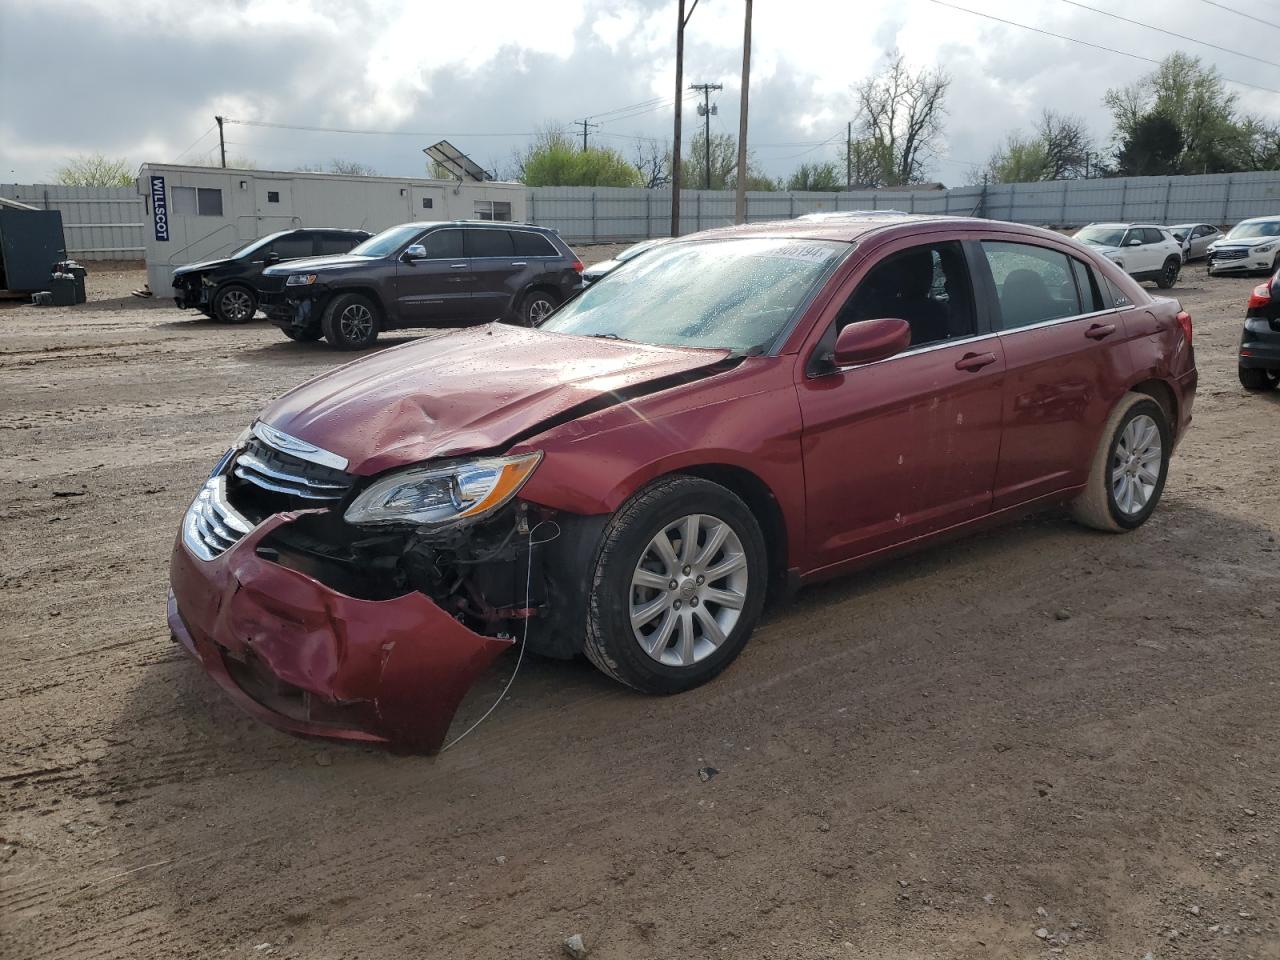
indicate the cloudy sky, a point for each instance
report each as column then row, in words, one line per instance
column 144, row 79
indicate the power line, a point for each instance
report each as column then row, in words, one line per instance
column 1095, row 46
column 1169, row 33
column 380, row 133
column 1241, row 13
column 194, row 142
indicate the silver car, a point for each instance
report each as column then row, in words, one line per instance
column 1195, row 238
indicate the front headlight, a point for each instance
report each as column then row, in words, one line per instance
column 446, row 494
column 300, row 280
column 1265, row 248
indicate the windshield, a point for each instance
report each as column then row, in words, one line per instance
column 1262, row 228
column 733, row 294
column 388, row 241
column 244, row 250
column 1101, row 236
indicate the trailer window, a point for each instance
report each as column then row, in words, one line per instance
column 493, row 210
column 197, row 201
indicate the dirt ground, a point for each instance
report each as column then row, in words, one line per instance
column 1040, row 729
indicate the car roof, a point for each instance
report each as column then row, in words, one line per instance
column 852, row 228
column 1267, row 219
column 482, row 224
column 1154, row 226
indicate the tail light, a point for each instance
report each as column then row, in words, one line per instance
column 578, row 266
column 1184, row 321
column 1261, row 296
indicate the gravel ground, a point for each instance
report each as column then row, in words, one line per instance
column 1040, row 739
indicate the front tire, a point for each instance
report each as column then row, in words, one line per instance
column 1257, row 380
column 351, row 322
column 659, row 638
column 1169, row 273
column 234, row 304
column 303, row 334
column 1129, row 468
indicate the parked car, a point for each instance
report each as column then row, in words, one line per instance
column 753, row 407
column 1143, row 250
column 1195, row 239
column 1259, row 363
column 422, row 275
column 1252, row 246
column 597, row 270
column 226, row 289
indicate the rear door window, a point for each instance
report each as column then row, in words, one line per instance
column 334, row 243
column 488, row 243
column 1033, row 284
column 443, row 245
column 532, row 244
column 1151, row 235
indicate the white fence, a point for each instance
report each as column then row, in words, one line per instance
column 99, row 223
column 107, row 223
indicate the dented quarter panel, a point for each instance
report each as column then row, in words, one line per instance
column 405, row 659
column 465, row 391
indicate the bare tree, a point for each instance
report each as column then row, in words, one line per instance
column 653, row 160
column 900, row 113
column 1067, row 145
column 351, row 168
column 95, row 170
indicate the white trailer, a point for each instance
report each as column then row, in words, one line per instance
column 203, row 213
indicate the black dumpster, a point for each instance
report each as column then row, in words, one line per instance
column 30, row 244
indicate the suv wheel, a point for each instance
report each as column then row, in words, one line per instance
column 351, row 322
column 1257, row 380
column 1169, row 274
column 678, row 585
column 1129, row 467
column 234, row 304
column 536, row 306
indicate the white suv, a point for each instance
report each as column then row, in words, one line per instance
column 1145, row 251
column 1252, row 245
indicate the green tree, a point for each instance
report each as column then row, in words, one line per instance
column 1020, row 160
column 1059, row 149
column 556, row 160
column 95, row 170
column 724, row 165
column 816, row 177
column 1154, row 147
column 1214, row 137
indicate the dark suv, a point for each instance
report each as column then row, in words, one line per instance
column 424, row 274
column 226, row 289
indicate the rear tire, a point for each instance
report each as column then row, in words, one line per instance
column 1257, row 380
column 536, row 306
column 351, row 322
column 1129, row 468
column 1169, row 273
column 695, row 629
column 234, row 304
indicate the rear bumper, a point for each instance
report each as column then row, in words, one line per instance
column 1259, row 345
column 312, row 661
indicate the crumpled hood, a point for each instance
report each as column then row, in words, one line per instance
column 199, row 267
column 315, row 264
column 464, row 391
column 1246, row 242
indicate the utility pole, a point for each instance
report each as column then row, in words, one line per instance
column 222, row 143
column 848, row 157
column 740, row 208
column 681, row 20
column 706, row 109
column 585, row 125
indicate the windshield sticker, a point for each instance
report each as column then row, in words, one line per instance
column 811, row 252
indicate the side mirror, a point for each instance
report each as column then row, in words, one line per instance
column 272, row 258
column 870, row 340
column 415, row 251
column 1135, row 242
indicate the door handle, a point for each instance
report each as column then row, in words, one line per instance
column 458, row 266
column 975, row 361
column 519, row 263
column 1100, row 330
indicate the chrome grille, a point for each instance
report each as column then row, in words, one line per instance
column 1230, row 254
column 279, row 472
column 212, row 525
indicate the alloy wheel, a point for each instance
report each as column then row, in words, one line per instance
column 1171, row 273
column 1135, row 465
column 356, row 323
column 236, row 304
column 688, row 590
column 539, row 310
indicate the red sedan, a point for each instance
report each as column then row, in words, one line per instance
column 750, row 408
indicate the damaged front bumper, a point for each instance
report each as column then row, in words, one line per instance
column 311, row 660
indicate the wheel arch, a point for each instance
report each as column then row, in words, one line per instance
column 1163, row 395
column 370, row 293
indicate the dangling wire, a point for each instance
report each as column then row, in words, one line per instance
column 528, row 593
